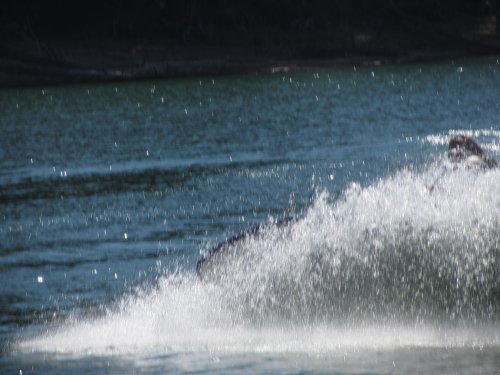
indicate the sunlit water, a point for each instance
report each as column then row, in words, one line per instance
column 110, row 193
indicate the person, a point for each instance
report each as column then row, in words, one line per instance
column 462, row 148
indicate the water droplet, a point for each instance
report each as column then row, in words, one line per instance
column 185, row 111
column 39, row 279
column 125, row 235
column 147, row 152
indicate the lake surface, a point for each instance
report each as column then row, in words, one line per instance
column 110, row 193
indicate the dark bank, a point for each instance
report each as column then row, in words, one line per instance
column 47, row 42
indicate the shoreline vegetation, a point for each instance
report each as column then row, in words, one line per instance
column 55, row 42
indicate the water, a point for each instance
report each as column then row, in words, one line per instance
column 109, row 193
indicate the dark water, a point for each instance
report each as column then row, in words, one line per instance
column 110, row 192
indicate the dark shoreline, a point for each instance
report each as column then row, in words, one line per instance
column 32, row 75
column 52, row 43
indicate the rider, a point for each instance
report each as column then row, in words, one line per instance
column 462, row 148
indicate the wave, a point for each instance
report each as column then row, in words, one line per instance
column 412, row 259
column 136, row 176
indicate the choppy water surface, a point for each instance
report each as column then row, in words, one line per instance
column 109, row 194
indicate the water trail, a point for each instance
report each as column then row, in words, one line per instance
column 411, row 260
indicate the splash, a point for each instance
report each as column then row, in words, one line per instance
column 402, row 250
column 411, row 260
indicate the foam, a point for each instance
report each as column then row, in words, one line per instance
column 411, row 260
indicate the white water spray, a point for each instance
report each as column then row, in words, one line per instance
column 411, row 260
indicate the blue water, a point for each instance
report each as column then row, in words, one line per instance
column 110, row 193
